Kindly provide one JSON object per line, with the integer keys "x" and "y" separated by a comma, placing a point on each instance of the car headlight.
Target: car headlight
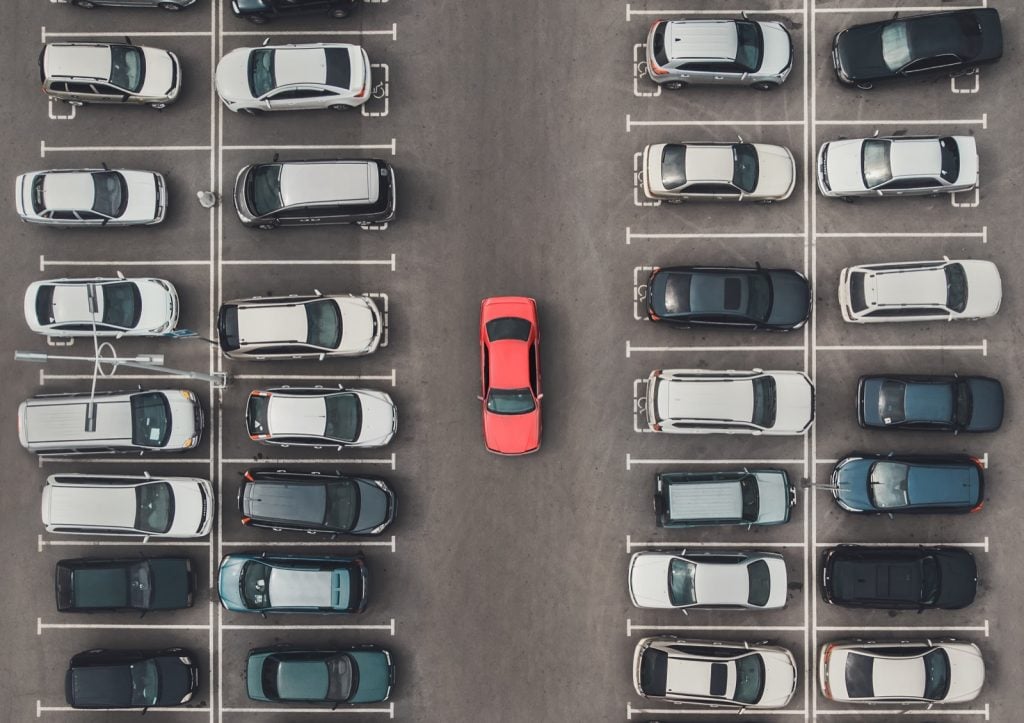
{"x": 188, "y": 395}
{"x": 188, "y": 443}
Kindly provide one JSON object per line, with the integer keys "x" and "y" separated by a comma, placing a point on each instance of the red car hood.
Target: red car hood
{"x": 512, "y": 433}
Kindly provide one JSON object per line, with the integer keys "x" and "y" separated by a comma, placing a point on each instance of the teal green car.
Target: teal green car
{"x": 255, "y": 582}
{"x": 293, "y": 675}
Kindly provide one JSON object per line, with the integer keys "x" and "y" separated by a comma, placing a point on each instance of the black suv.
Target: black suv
{"x": 263, "y": 11}
{"x": 154, "y": 583}
{"x": 899, "y": 578}
{"x": 131, "y": 678}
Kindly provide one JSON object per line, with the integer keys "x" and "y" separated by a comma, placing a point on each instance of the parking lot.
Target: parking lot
{"x": 515, "y": 132}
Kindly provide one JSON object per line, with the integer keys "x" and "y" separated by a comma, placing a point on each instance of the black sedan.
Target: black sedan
{"x": 899, "y": 578}
{"x": 263, "y": 11}
{"x": 729, "y": 298}
{"x": 909, "y": 483}
{"x": 143, "y": 584}
{"x": 930, "y": 403}
{"x": 329, "y": 502}
{"x": 947, "y": 43}
{"x": 131, "y": 678}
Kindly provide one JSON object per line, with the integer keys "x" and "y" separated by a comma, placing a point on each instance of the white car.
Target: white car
{"x": 91, "y": 197}
{"x": 677, "y": 172}
{"x": 900, "y": 166}
{"x": 80, "y": 73}
{"x": 294, "y": 77}
{"x": 714, "y": 673}
{"x": 107, "y": 307}
{"x": 318, "y": 417}
{"x": 920, "y": 291}
{"x": 904, "y": 671}
{"x": 87, "y": 504}
{"x": 707, "y": 579}
{"x": 695, "y": 401}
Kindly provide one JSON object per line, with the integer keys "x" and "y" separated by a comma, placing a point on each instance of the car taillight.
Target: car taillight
{"x": 362, "y": 92}
{"x": 826, "y": 689}
{"x": 979, "y": 462}
{"x": 656, "y": 427}
{"x": 978, "y": 506}
{"x": 246, "y": 520}
{"x": 248, "y": 475}
{"x": 257, "y": 437}
{"x": 656, "y": 69}
{"x": 656, "y": 373}
{"x": 652, "y": 316}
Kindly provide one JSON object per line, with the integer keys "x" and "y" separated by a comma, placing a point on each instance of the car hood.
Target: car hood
{"x": 794, "y": 403}
{"x": 860, "y": 52}
{"x": 142, "y": 196}
{"x": 776, "y": 172}
{"x": 850, "y": 478}
{"x": 159, "y": 306}
{"x": 375, "y": 507}
{"x": 232, "y": 77}
{"x": 843, "y": 166}
{"x": 228, "y": 579}
{"x": 779, "y": 678}
{"x": 374, "y": 668}
{"x": 162, "y": 79}
{"x": 967, "y": 672}
{"x": 986, "y": 404}
{"x": 967, "y": 146}
{"x": 984, "y": 288}
{"x": 778, "y": 48}
{"x": 380, "y": 419}
{"x": 791, "y": 299}
{"x": 171, "y": 583}
{"x": 193, "y": 508}
{"x": 175, "y": 680}
{"x": 959, "y": 575}
{"x": 652, "y": 167}
{"x": 360, "y": 326}
{"x": 512, "y": 433}
{"x": 183, "y": 420}
{"x": 648, "y": 580}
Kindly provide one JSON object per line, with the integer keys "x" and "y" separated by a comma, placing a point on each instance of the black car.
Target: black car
{"x": 930, "y": 403}
{"x": 263, "y": 11}
{"x": 131, "y": 678}
{"x": 329, "y": 502}
{"x": 899, "y": 578}
{"x": 154, "y": 583}
{"x": 947, "y": 43}
{"x": 909, "y": 483}
{"x": 729, "y": 298}
{"x": 162, "y": 4}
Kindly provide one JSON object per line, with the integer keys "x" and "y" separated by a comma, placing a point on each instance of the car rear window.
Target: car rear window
{"x": 858, "y": 675}
{"x": 151, "y": 419}
{"x": 677, "y": 293}
{"x": 673, "y": 165}
{"x": 653, "y": 672}
{"x": 660, "y": 57}
{"x": 269, "y": 677}
{"x": 508, "y": 327}
{"x": 323, "y": 319}
{"x": 858, "y": 301}
{"x": 38, "y": 201}
{"x": 256, "y": 414}
{"x": 44, "y": 305}
{"x": 764, "y": 402}
{"x": 227, "y": 328}
{"x": 760, "y": 581}
{"x": 950, "y": 159}
{"x": 956, "y": 287}
{"x": 339, "y": 67}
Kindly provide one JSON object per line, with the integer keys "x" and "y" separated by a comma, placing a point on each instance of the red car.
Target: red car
{"x": 510, "y": 373}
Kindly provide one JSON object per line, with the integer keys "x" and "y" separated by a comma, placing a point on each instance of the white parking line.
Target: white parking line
{"x": 305, "y": 543}
{"x": 702, "y": 123}
{"x": 320, "y": 377}
{"x": 915, "y": 543}
{"x": 312, "y": 262}
{"x": 638, "y": 183}
{"x": 984, "y": 461}
{"x": 906, "y": 628}
{"x": 905, "y": 711}
{"x": 682, "y": 236}
{"x": 661, "y": 13}
{"x": 44, "y": 149}
{"x": 639, "y": 408}
{"x": 44, "y": 262}
{"x": 392, "y": 462}
{"x": 630, "y": 711}
{"x": 43, "y": 34}
{"x": 630, "y": 461}
{"x": 393, "y": 32}
{"x": 889, "y": 9}
{"x": 41, "y": 626}
{"x": 338, "y": 147}
{"x": 390, "y": 710}
{"x": 385, "y": 92}
{"x": 44, "y": 377}
{"x": 971, "y": 90}
{"x": 339, "y": 626}
{"x": 630, "y": 627}
{"x": 677, "y": 545}
{"x": 982, "y": 347}
{"x": 40, "y": 709}
{"x": 982, "y": 235}
{"x": 135, "y": 542}
{"x": 640, "y": 71}
{"x": 969, "y": 203}
{"x": 739, "y": 347}
{"x": 983, "y": 122}
{"x": 133, "y": 459}
{"x": 639, "y": 295}
{"x": 57, "y": 116}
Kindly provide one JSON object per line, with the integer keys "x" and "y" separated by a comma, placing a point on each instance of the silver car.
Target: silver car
{"x": 101, "y": 306}
{"x": 897, "y": 166}
{"x": 719, "y": 52}
{"x": 80, "y": 73}
{"x": 294, "y": 77}
{"x": 89, "y": 197}
{"x": 677, "y": 172}
{"x": 707, "y": 579}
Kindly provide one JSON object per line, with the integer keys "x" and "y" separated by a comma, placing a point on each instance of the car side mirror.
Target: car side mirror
{"x": 321, "y": 357}
{"x": 480, "y": 397}
{"x": 265, "y": 41}
{"x": 540, "y": 396}
{"x": 145, "y": 539}
{"x": 119, "y": 335}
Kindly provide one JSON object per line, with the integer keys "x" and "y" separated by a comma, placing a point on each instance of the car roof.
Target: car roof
{"x": 302, "y": 500}
{"x": 289, "y": 587}
{"x": 905, "y": 287}
{"x": 78, "y": 60}
{"x": 69, "y": 191}
{"x": 915, "y": 157}
{"x": 107, "y": 685}
{"x": 685, "y": 676}
{"x": 709, "y": 163}
{"x": 302, "y": 415}
{"x": 92, "y": 505}
{"x": 272, "y": 323}
{"x": 706, "y": 398}
{"x": 701, "y": 39}
{"x": 898, "y": 677}
{"x": 311, "y": 183}
{"x": 299, "y": 65}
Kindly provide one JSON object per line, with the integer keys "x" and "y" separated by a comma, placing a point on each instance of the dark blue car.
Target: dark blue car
{"x": 930, "y": 403}
{"x": 909, "y": 483}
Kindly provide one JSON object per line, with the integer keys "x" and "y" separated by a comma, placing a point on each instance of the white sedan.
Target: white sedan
{"x": 920, "y": 291}
{"x": 318, "y": 417}
{"x": 897, "y": 166}
{"x": 906, "y": 671}
{"x": 677, "y": 172}
{"x": 707, "y": 579}
{"x": 294, "y": 77}
{"x": 91, "y": 197}
{"x": 104, "y": 307}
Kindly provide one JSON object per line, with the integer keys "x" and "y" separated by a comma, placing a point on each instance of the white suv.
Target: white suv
{"x": 920, "y": 291}
{"x": 694, "y": 401}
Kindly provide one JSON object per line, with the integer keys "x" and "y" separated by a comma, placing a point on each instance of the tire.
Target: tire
{"x": 267, "y": 227}
{"x": 766, "y": 202}
{"x": 257, "y": 19}
{"x": 764, "y": 86}
{"x": 340, "y": 13}
{"x": 75, "y": 103}
{"x": 170, "y": 7}
{"x": 255, "y": 112}
{"x": 158, "y": 106}
{"x": 847, "y": 199}
{"x": 339, "y": 107}
{"x": 674, "y": 85}
{"x": 865, "y": 85}
{"x": 83, "y": 4}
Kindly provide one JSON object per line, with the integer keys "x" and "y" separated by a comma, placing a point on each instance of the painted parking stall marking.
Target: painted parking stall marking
{"x": 638, "y": 183}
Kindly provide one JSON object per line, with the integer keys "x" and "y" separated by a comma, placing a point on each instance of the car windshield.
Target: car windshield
{"x": 956, "y": 287}
{"x": 265, "y": 189}
{"x": 140, "y": 585}
{"x": 950, "y": 159}
{"x": 750, "y": 45}
{"x": 751, "y": 498}
{"x": 891, "y": 402}
{"x": 749, "y": 679}
{"x": 344, "y": 417}
{"x": 261, "y": 72}
{"x": 323, "y": 319}
{"x": 111, "y": 193}
{"x": 342, "y": 676}
{"x": 154, "y": 507}
{"x": 859, "y": 678}
{"x": 254, "y": 585}
{"x": 931, "y": 579}
{"x": 764, "y": 402}
{"x": 122, "y": 305}
{"x": 510, "y": 401}
{"x": 145, "y": 683}
{"x": 936, "y": 674}
{"x": 673, "y": 166}
{"x": 759, "y": 297}
{"x": 760, "y": 581}
{"x": 127, "y": 67}
{"x": 875, "y": 165}
{"x": 744, "y": 172}
{"x": 269, "y": 677}
{"x": 896, "y": 45}
{"x": 342, "y": 505}
{"x": 681, "y": 582}
{"x": 887, "y": 485}
{"x": 151, "y": 419}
